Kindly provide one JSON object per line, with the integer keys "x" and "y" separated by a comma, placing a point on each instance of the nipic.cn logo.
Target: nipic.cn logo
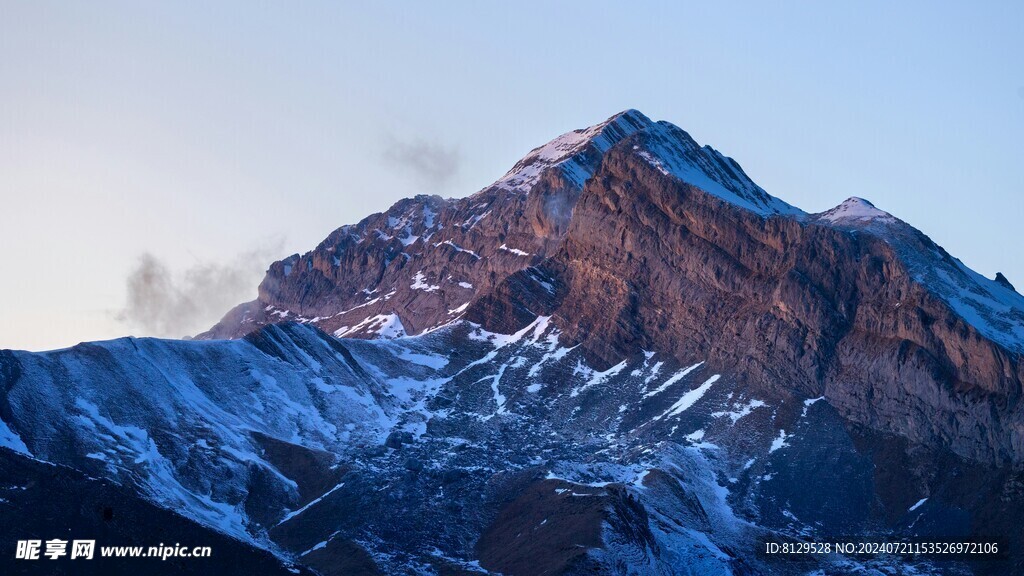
{"x": 85, "y": 549}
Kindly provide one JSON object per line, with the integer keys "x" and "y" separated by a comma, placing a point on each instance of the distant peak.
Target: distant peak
{"x": 856, "y": 209}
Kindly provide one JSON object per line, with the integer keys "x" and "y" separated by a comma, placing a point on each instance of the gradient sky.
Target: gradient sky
{"x": 218, "y": 133}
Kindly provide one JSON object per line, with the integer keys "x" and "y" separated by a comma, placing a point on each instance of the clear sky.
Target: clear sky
{"x": 216, "y": 136}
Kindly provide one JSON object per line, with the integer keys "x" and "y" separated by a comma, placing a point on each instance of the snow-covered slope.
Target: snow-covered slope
{"x": 426, "y": 459}
{"x": 673, "y": 152}
{"x": 189, "y": 422}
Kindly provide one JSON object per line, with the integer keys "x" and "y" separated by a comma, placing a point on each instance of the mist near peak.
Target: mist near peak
{"x": 172, "y": 303}
{"x": 430, "y": 164}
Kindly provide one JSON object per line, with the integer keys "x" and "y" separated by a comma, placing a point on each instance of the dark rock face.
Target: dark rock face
{"x": 547, "y": 524}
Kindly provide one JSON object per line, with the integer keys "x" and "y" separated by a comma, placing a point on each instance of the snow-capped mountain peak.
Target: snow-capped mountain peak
{"x": 576, "y": 152}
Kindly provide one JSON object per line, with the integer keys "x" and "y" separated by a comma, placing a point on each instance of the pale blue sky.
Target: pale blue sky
{"x": 198, "y": 133}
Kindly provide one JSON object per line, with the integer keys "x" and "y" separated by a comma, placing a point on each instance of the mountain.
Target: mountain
{"x": 622, "y": 357}
{"x": 776, "y": 294}
{"x": 418, "y": 265}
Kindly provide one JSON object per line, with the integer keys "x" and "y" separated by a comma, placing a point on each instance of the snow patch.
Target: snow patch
{"x": 779, "y": 442}
{"x": 597, "y": 378}
{"x": 810, "y": 402}
{"x": 419, "y": 282}
{"x": 740, "y": 410}
{"x": 384, "y": 325}
{"x": 9, "y": 439}
{"x": 312, "y": 503}
{"x": 458, "y": 248}
{"x": 515, "y": 251}
{"x": 674, "y": 379}
{"x": 689, "y": 399}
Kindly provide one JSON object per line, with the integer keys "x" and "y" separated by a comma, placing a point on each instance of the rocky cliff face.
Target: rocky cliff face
{"x": 853, "y": 303}
{"x": 622, "y": 357}
{"x": 419, "y": 264}
{"x": 636, "y": 237}
{"x": 671, "y": 247}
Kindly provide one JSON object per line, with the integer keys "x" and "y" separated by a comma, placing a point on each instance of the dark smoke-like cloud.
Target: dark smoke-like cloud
{"x": 430, "y": 164}
{"x": 176, "y": 304}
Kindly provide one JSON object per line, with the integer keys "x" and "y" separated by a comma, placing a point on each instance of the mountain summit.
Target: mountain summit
{"x": 624, "y": 356}
{"x": 392, "y": 272}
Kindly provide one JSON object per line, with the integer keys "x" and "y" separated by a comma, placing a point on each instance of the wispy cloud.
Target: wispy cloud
{"x": 431, "y": 164}
{"x": 173, "y": 304}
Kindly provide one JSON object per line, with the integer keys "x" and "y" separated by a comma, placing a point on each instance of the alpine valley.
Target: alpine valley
{"x": 623, "y": 357}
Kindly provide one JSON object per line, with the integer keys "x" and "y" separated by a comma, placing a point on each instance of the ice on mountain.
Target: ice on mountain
{"x": 995, "y": 310}
{"x": 384, "y": 325}
{"x": 430, "y": 360}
